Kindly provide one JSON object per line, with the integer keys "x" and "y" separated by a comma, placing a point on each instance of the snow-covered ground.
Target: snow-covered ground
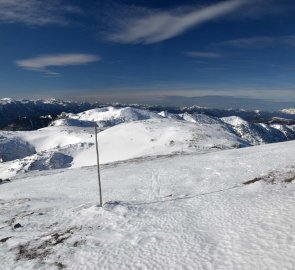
{"x": 135, "y": 139}
{"x": 231, "y": 209}
{"x": 110, "y": 116}
{"x": 259, "y": 133}
{"x": 180, "y": 191}
{"x": 127, "y": 133}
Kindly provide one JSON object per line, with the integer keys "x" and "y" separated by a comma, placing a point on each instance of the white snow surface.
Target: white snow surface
{"x": 157, "y": 137}
{"x": 259, "y": 133}
{"x": 183, "y": 212}
{"x": 288, "y": 111}
{"x": 110, "y": 116}
{"x": 13, "y": 147}
{"x": 125, "y": 141}
{"x": 72, "y": 123}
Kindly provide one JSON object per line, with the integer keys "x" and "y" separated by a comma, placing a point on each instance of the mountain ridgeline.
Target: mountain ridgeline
{"x": 32, "y": 115}
{"x": 66, "y": 140}
{"x": 255, "y": 127}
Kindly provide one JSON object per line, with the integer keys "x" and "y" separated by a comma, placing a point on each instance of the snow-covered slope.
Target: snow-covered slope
{"x": 17, "y": 114}
{"x": 110, "y": 116}
{"x": 173, "y": 199}
{"x": 136, "y": 139}
{"x": 13, "y": 147}
{"x": 224, "y": 210}
{"x": 168, "y": 115}
{"x": 249, "y": 115}
{"x": 72, "y": 123}
{"x": 127, "y": 133}
{"x": 288, "y": 111}
{"x": 41, "y": 146}
{"x": 158, "y": 137}
{"x": 201, "y": 119}
{"x": 259, "y": 133}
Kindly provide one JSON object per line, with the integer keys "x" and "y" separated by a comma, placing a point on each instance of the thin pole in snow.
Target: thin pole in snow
{"x": 98, "y": 169}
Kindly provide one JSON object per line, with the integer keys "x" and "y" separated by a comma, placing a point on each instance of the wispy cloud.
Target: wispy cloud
{"x": 152, "y": 26}
{"x": 36, "y": 12}
{"x": 261, "y": 9}
{"x": 260, "y": 42}
{"x": 42, "y": 63}
{"x": 210, "y": 55}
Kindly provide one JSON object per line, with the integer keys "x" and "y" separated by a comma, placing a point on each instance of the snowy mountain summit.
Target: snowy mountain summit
{"x": 181, "y": 190}
{"x": 289, "y": 111}
{"x": 128, "y": 133}
{"x": 110, "y": 116}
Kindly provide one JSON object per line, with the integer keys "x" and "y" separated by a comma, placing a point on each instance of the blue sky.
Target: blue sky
{"x": 230, "y": 53}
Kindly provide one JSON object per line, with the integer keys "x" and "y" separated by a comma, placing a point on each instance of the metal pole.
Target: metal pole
{"x": 98, "y": 169}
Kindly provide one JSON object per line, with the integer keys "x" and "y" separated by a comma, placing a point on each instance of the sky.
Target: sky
{"x": 223, "y": 54}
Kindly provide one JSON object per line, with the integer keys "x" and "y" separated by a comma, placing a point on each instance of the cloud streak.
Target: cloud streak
{"x": 42, "y": 63}
{"x": 209, "y": 55}
{"x": 36, "y": 12}
{"x": 260, "y": 42}
{"x": 156, "y": 26}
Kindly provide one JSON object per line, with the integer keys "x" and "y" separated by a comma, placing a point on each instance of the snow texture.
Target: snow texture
{"x": 231, "y": 209}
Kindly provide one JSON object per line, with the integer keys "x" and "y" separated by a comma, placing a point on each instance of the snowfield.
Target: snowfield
{"x": 152, "y": 137}
{"x": 231, "y": 209}
{"x": 110, "y": 116}
{"x": 180, "y": 191}
{"x": 128, "y": 133}
{"x": 157, "y": 137}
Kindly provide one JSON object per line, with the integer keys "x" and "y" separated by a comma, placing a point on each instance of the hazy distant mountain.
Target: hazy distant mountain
{"x": 29, "y": 115}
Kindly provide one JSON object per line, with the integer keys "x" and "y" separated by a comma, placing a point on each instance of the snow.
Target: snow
{"x": 288, "y": 111}
{"x": 72, "y": 123}
{"x": 13, "y": 147}
{"x": 156, "y": 137}
{"x": 152, "y": 137}
{"x": 110, "y": 116}
{"x": 183, "y": 212}
{"x": 259, "y": 133}
{"x": 177, "y": 193}
{"x": 200, "y": 119}
{"x": 6, "y": 100}
{"x": 128, "y": 133}
{"x": 26, "y": 149}
{"x": 166, "y": 114}
{"x": 56, "y": 137}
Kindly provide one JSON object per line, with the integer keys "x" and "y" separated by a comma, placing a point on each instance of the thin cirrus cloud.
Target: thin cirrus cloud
{"x": 42, "y": 63}
{"x": 260, "y": 42}
{"x": 208, "y": 55}
{"x": 36, "y": 12}
{"x": 156, "y": 26}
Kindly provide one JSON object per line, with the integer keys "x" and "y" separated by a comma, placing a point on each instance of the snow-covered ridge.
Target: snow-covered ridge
{"x": 132, "y": 139}
{"x": 259, "y": 133}
{"x": 289, "y": 111}
{"x": 111, "y": 116}
{"x": 128, "y": 133}
{"x": 254, "y": 133}
{"x": 6, "y": 100}
{"x": 12, "y": 110}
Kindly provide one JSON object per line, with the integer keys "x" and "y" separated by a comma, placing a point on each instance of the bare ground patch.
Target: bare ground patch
{"x": 36, "y": 250}
{"x": 275, "y": 177}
